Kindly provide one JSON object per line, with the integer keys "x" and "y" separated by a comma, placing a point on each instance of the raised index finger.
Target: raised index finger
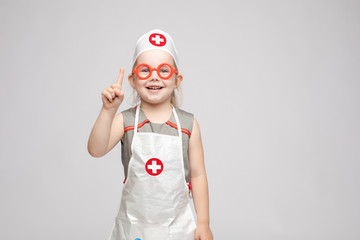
{"x": 120, "y": 78}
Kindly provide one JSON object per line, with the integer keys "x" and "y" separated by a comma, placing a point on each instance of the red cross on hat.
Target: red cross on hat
{"x": 157, "y": 39}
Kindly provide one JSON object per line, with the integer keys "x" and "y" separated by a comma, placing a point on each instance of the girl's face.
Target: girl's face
{"x": 154, "y": 58}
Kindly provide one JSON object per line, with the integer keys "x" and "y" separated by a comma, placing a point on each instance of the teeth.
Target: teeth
{"x": 154, "y": 87}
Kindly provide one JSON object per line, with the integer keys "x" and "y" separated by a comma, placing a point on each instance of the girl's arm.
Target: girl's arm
{"x": 106, "y": 133}
{"x": 108, "y": 130}
{"x": 199, "y": 184}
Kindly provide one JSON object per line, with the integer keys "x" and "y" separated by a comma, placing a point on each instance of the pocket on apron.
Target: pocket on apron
{"x": 143, "y": 233}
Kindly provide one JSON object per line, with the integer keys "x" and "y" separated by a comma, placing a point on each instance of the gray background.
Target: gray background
{"x": 274, "y": 86}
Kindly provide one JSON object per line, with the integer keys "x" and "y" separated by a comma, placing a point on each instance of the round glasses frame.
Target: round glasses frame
{"x": 136, "y": 70}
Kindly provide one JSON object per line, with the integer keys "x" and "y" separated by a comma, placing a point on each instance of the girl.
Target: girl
{"x": 161, "y": 148}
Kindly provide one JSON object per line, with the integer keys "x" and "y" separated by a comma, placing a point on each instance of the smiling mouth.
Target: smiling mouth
{"x": 154, "y": 88}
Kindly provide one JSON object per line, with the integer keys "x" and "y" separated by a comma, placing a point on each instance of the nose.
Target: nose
{"x": 154, "y": 74}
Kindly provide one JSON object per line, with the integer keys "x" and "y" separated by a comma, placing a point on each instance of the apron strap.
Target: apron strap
{"x": 177, "y": 123}
{"x": 137, "y": 110}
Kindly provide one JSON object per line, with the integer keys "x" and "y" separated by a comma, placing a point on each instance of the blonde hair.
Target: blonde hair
{"x": 176, "y": 96}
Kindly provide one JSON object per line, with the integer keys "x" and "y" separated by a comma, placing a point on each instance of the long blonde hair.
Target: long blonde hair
{"x": 176, "y": 96}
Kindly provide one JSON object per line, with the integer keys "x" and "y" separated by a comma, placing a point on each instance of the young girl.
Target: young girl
{"x": 162, "y": 153}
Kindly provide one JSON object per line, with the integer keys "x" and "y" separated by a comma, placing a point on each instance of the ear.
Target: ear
{"x": 131, "y": 80}
{"x": 179, "y": 79}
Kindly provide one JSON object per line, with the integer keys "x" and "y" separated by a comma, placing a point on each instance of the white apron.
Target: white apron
{"x": 155, "y": 202}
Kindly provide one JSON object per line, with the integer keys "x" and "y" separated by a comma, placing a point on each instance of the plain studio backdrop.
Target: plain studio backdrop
{"x": 274, "y": 86}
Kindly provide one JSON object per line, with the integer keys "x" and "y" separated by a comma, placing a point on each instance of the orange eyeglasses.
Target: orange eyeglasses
{"x": 164, "y": 71}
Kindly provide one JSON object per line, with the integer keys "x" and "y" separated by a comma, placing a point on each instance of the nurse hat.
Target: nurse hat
{"x": 155, "y": 39}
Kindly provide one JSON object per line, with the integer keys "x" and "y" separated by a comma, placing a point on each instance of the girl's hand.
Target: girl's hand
{"x": 203, "y": 232}
{"x": 113, "y": 96}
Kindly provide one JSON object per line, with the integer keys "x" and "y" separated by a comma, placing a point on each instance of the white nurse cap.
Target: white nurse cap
{"x": 155, "y": 39}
